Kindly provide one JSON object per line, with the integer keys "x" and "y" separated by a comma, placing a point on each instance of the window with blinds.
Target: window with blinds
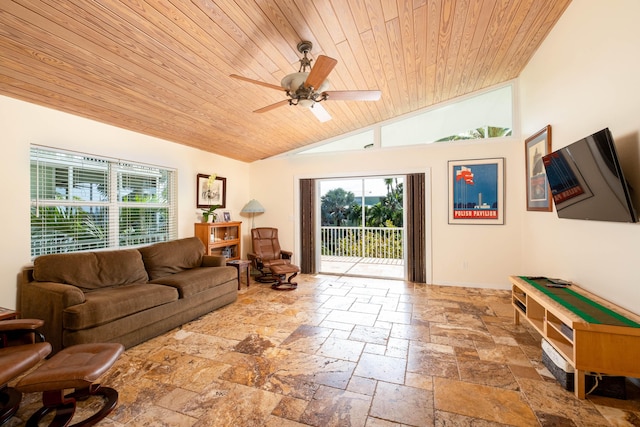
{"x": 81, "y": 202}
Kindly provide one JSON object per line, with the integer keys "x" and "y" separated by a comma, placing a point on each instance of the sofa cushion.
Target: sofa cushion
{"x": 91, "y": 270}
{"x": 196, "y": 280}
{"x": 163, "y": 259}
{"x": 105, "y": 305}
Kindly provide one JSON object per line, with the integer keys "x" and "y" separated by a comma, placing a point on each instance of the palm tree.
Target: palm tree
{"x": 354, "y": 216}
{"x": 479, "y": 133}
{"x": 335, "y": 206}
{"x": 389, "y": 208}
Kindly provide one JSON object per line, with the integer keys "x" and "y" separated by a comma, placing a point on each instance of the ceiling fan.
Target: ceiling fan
{"x": 307, "y": 87}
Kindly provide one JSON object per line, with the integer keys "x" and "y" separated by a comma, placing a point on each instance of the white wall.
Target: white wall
{"x": 489, "y": 252}
{"x": 585, "y": 78}
{"x": 24, "y": 124}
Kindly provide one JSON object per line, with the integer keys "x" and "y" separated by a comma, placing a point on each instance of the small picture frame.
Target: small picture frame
{"x": 536, "y": 147}
{"x": 226, "y": 216}
{"x": 211, "y": 192}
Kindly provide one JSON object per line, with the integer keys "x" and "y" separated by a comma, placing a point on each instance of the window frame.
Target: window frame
{"x": 94, "y": 222}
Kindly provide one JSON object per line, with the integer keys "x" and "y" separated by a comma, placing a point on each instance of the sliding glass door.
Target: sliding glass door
{"x": 361, "y": 226}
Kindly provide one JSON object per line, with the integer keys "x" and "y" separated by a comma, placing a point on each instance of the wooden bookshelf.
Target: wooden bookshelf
{"x": 221, "y": 238}
{"x": 588, "y": 345}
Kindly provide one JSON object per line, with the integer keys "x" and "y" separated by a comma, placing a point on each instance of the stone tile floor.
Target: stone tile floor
{"x": 344, "y": 351}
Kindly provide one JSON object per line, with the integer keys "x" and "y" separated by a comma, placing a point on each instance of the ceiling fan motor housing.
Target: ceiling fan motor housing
{"x": 305, "y": 46}
{"x": 301, "y": 87}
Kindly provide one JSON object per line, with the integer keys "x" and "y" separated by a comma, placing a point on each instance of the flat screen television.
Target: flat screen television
{"x": 587, "y": 182}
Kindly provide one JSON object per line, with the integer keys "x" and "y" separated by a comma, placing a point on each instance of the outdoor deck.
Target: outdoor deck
{"x": 360, "y": 266}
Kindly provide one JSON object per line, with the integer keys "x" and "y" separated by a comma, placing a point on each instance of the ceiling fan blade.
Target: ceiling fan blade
{"x": 319, "y": 72}
{"x": 353, "y": 95}
{"x": 272, "y": 106}
{"x": 319, "y": 111}
{"x": 258, "y": 82}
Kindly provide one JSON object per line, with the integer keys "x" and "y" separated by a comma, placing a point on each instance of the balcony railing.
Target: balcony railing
{"x": 371, "y": 242}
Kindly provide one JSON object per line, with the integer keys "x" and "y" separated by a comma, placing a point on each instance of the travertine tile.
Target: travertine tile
{"x": 347, "y": 351}
{"x": 370, "y": 334}
{"x": 484, "y": 402}
{"x": 338, "y": 348}
{"x": 160, "y": 417}
{"x": 290, "y": 408}
{"x": 548, "y": 397}
{"x": 432, "y": 359}
{"x": 402, "y": 404}
{"x": 339, "y": 303}
{"x": 382, "y": 368}
{"x": 487, "y": 373}
{"x": 339, "y": 408}
{"x": 362, "y": 385}
{"x": 352, "y": 318}
{"x": 447, "y": 419}
{"x": 502, "y": 354}
{"x": 306, "y": 338}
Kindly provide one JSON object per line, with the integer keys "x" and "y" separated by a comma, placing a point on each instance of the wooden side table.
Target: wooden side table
{"x": 589, "y": 332}
{"x": 241, "y": 264}
{"x": 8, "y": 314}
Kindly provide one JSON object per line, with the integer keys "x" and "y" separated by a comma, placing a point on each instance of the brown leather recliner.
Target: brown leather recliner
{"x": 17, "y": 359}
{"x": 267, "y": 252}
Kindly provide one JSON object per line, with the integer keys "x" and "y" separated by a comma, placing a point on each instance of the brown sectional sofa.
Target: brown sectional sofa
{"x": 127, "y": 295}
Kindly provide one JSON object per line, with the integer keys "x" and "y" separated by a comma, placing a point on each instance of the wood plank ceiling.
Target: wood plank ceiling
{"x": 161, "y": 67}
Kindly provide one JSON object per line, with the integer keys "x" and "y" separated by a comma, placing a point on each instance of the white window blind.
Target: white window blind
{"x": 82, "y": 202}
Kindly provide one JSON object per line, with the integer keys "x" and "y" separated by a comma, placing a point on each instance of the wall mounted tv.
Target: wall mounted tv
{"x": 587, "y": 182}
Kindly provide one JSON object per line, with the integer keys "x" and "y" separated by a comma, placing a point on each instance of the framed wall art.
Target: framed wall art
{"x": 476, "y": 191}
{"x": 537, "y": 146}
{"x": 211, "y": 190}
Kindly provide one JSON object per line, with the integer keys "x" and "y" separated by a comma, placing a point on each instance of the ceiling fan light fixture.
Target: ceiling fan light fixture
{"x": 291, "y": 82}
{"x": 305, "y": 103}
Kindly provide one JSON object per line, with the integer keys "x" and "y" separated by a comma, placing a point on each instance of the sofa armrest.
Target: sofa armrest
{"x": 213, "y": 261}
{"x": 47, "y": 301}
{"x": 53, "y": 293}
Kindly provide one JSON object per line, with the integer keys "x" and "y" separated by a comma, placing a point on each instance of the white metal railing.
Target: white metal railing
{"x": 373, "y": 242}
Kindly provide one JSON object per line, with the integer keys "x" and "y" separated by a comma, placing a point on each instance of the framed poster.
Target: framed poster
{"x": 476, "y": 191}
{"x": 211, "y": 190}
{"x": 536, "y": 146}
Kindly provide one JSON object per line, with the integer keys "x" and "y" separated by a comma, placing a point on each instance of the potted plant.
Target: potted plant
{"x": 209, "y": 213}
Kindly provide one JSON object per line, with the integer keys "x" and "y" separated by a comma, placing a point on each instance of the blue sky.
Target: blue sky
{"x": 373, "y": 186}
{"x": 484, "y": 179}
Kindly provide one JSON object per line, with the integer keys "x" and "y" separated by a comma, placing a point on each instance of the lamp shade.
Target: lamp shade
{"x": 253, "y": 206}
